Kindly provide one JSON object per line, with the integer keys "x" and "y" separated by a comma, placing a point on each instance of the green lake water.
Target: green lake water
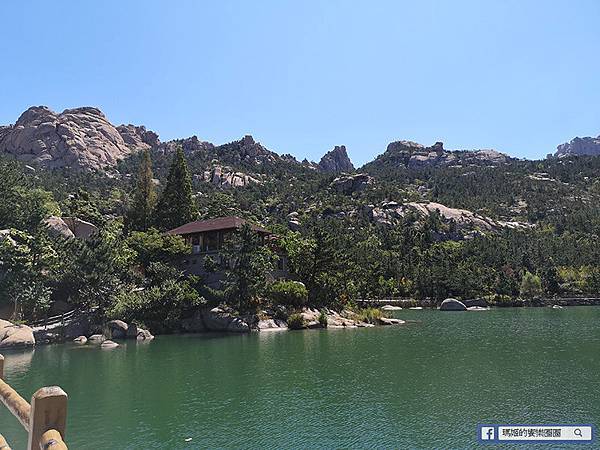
{"x": 424, "y": 385}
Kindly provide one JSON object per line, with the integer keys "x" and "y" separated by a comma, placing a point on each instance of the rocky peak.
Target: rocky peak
{"x": 138, "y": 136}
{"x": 336, "y": 161}
{"x": 189, "y": 145}
{"x": 579, "y": 146}
{"x": 81, "y": 138}
{"x": 413, "y": 156}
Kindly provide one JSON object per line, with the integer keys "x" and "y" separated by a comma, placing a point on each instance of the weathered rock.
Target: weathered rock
{"x": 58, "y": 228}
{"x": 46, "y": 337}
{"x": 349, "y": 184}
{"x": 475, "y": 302}
{"x": 391, "y": 308}
{"x": 69, "y": 227}
{"x": 477, "y": 308}
{"x": 109, "y": 344}
{"x": 132, "y": 331}
{"x": 579, "y": 146}
{"x": 336, "y": 161}
{"x": 15, "y": 336}
{"x": 96, "y": 339}
{"x": 215, "y": 320}
{"x": 451, "y": 304}
{"x": 226, "y": 177}
{"x": 271, "y": 325}
{"x": 389, "y": 321}
{"x": 416, "y": 156}
{"x": 80, "y": 138}
{"x": 80, "y": 340}
{"x": 144, "y": 335}
{"x": 138, "y": 137}
{"x": 461, "y": 221}
{"x": 116, "y": 329}
{"x": 80, "y": 228}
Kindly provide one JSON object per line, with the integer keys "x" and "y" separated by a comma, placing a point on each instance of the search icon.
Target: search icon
{"x": 577, "y": 432}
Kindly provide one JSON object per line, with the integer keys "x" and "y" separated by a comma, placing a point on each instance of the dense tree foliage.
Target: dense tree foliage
{"x": 337, "y": 252}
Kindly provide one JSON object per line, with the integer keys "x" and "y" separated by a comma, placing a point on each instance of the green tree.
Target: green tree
{"x": 247, "y": 262}
{"x": 176, "y": 205}
{"x": 26, "y": 264}
{"x": 140, "y": 214}
{"x": 152, "y": 246}
{"x": 531, "y": 286}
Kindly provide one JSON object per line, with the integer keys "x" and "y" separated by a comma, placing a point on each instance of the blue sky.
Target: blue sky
{"x": 303, "y": 76}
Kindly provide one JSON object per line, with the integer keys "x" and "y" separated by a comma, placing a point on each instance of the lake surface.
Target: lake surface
{"x": 423, "y": 385}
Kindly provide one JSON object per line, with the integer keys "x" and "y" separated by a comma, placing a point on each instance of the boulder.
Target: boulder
{"x": 132, "y": 331}
{"x": 57, "y": 227}
{"x": 222, "y": 321}
{"x": 116, "y": 329}
{"x": 80, "y": 340}
{"x": 475, "y": 302}
{"x": 109, "y": 344}
{"x": 388, "y": 321}
{"x": 451, "y": 304}
{"x": 46, "y": 337}
{"x": 144, "y": 335}
{"x": 96, "y": 339}
{"x": 391, "y": 308}
{"x": 15, "y": 336}
{"x": 271, "y": 325}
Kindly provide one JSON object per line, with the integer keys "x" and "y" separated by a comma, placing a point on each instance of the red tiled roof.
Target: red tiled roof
{"x": 221, "y": 223}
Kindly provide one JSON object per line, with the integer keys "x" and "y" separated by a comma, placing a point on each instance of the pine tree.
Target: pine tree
{"x": 176, "y": 205}
{"x": 141, "y": 212}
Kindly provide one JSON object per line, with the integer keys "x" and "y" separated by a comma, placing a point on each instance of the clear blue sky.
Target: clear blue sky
{"x": 519, "y": 76}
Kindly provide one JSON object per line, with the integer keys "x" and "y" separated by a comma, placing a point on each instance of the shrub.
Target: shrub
{"x": 369, "y": 315}
{"x": 291, "y": 293}
{"x": 531, "y": 286}
{"x": 295, "y": 321}
{"x": 323, "y": 319}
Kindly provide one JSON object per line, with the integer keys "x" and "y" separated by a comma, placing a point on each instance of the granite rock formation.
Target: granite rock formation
{"x": 81, "y": 138}
{"x": 336, "y": 161}
{"x": 579, "y": 146}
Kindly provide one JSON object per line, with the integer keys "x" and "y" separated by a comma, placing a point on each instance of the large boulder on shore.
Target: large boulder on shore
{"x": 15, "y": 336}
{"x": 451, "y": 304}
{"x": 116, "y": 329}
{"x": 215, "y": 319}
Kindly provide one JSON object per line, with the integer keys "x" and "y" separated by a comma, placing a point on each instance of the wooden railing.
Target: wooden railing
{"x": 44, "y": 420}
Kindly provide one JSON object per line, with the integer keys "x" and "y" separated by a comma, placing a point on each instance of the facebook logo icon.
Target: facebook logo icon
{"x": 487, "y": 433}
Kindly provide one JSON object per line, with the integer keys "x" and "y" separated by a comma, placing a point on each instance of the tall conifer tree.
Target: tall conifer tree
{"x": 144, "y": 201}
{"x": 176, "y": 205}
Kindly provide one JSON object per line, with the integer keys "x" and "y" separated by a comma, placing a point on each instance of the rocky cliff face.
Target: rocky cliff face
{"x": 225, "y": 177}
{"x": 336, "y": 161}
{"x": 81, "y": 138}
{"x": 579, "y": 146}
{"x": 414, "y": 156}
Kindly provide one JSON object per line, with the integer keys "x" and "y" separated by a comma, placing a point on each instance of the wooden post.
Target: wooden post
{"x": 48, "y": 412}
{"x": 51, "y": 440}
{"x": 1, "y": 367}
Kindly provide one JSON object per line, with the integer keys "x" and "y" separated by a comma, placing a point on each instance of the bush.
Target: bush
{"x": 291, "y": 293}
{"x": 160, "y": 307}
{"x": 370, "y": 315}
{"x": 295, "y": 321}
{"x": 323, "y": 319}
{"x": 531, "y": 286}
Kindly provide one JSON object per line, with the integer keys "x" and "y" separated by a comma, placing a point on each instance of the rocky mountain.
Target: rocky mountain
{"x": 80, "y": 138}
{"x": 336, "y": 161}
{"x": 412, "y": 155}
{"x": 579, "y": 146}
